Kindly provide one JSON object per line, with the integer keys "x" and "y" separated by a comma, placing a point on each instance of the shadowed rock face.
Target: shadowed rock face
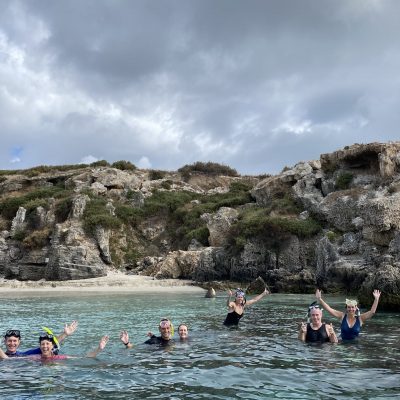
{"x": 354, "y": 193}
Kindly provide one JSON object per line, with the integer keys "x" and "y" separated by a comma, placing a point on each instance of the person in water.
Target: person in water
{"x": 236, "y": 307}
{"x": 49, "y": 347}
{"x": 351, "y": 320}
{"x": 12, "y": 340}
{"x": 315, "y": 331}
{"x": 183, "y": 332}
{"x": 165, "y": 328}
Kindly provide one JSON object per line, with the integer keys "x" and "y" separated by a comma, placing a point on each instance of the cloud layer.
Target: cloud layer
{"x": 255, "y": 85}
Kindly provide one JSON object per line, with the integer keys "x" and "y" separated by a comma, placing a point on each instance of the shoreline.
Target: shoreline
{"x": 114, "y": 282}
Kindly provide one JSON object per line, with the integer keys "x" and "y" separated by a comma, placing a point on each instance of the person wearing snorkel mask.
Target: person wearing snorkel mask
{"x": 165, "y": 328}
{"x": 315, "y": 331}
{"x": 236, "y": 307}
{"x": 49, "y": 347}
{"x": 351, "y": 320}
{"x": 12, "y": 340}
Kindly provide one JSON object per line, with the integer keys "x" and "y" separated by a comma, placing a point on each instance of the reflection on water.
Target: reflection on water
{"x": 262, "y": 359}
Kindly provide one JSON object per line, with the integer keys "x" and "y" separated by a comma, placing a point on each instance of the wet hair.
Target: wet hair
{"x": 240, "y": 292}
{"x": 13, "y": 332}
{"x": 312, "y": 306}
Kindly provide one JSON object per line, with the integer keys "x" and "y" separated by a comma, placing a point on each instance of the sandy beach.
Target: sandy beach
{"x": 113, "y": 282}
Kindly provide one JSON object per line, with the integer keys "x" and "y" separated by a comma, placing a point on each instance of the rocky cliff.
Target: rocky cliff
{"x": 332, "y": 223}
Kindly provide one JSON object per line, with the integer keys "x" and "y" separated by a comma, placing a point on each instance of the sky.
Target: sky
{"x": 253, "y": 84}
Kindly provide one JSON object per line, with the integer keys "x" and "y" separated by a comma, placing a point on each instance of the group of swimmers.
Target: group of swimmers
{"x": 351, "y": 320}
{"x": 313, "y": 331}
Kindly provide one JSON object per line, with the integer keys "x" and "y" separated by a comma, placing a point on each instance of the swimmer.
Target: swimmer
{"x": 236, "y": 307}
{"x": 183, "y": 332}
{"x": 49, "y": 344}
{"x": 315, "y": 331}
{"x": 165, "y": 328}
{"x": 351, "y": 320}
{"x": 12, "y": 340}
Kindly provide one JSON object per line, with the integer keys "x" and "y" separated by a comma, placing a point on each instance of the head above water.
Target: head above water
{"x": 183, "y": 331}
{"x": 12, "y": 332}
{"x": 166, "y": 328}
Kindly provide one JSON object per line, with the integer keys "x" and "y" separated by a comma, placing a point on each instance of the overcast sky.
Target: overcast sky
{"x": 253, "y": 84}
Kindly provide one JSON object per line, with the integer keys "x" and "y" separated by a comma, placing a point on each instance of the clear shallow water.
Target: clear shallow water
{"x": 261, "y": 360}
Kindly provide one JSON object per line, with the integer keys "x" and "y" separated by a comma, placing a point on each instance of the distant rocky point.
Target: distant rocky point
{"x": 332, "y": 223}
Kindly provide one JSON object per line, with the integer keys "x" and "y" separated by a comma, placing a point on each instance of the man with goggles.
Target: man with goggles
{"x": 12, "y": 340}
{"x": 165, "y": 328}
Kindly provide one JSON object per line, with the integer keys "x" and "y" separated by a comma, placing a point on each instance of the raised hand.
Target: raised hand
{"x": 124, "y": 337}
{"x": 70, "y": 329}
{"x": 103, "y": 342}
{"x": 318, "y": 294}
{"x": 330, "y": 329}
{"x": 376, "y": 293}
{"x": 303, "y": 327}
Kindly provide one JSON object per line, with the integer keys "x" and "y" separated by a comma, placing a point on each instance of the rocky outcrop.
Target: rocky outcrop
{"x": 353, "y": 193}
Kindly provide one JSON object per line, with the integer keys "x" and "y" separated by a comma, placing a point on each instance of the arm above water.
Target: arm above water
{"x": 68, "y": 331}
{"x": 364, "y": 316}
{"x": 331, "y": 333}
{"x": 3, "y": 355}
{"x": 332, "y": 311}
{"x": 257, "y": 298}
{"x": 102, "y": 345}
{"x": 124, "y": 337}
{"x": 302, "y": 331}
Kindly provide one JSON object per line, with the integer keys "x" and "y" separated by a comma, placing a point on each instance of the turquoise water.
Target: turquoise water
{"x": 261, "y": 360}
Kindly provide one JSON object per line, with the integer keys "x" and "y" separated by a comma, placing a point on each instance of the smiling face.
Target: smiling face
{"x": 351, "y": 309}
{"x": 46, "y": 347}
{"x": 165, "y": 329}
{"x": 12, "y": 344}
{"x": 183, "y": 331}
{"x": 315, "y": 316}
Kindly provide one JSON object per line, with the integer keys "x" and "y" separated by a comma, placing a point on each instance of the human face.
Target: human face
{"x": 165, "y": 329}
{"x": 315, "y": 316}
{"x": 46, "y": 347}
{"x": 351, "y": 309}
{"x": 12, "y": 344}
{"x": 239, "y": 299}
{"x": 183, "y": 331}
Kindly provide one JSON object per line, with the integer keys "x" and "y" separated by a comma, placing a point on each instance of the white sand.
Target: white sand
{"x": 113, "y": 282}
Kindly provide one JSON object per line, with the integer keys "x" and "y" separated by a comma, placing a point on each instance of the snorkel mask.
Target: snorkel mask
{"x": 166, "y": 323}
{"x": 240, "y": 293}
{"x": 49, "y": 335}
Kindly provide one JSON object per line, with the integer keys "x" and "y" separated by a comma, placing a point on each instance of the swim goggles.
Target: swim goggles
{"x": 313, "y": 306}
{"x": 49, "y": 336}
{"x": 351, "y": 302}
{"x": 165, "y": 323}
{"x": 13, "y": 332}
{"x": 239, "y": 292}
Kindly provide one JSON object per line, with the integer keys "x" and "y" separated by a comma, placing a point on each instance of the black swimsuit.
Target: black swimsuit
{"x": 317, "y": 335}
{"x": 232, "y": 318}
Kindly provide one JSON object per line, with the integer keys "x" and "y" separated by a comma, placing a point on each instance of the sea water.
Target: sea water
{"x": 262, "y": 359}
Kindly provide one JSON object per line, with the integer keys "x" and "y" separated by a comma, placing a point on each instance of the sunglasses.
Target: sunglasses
{"x": 13, "y": 332}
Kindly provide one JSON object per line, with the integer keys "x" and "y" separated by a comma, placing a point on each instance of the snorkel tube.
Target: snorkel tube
{"x": 55, "y": 340}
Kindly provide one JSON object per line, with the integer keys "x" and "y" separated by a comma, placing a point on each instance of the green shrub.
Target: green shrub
{"x": 37, "y": 239}
{"x": 201, "y": 234}
{"x": 332, "y": 236}
{"x": 62, "y": 209}
{"x": 208, "y": 168}
{"x": 166, "y": 184}
{"x": 128, "y": 214}
{"x": 100, "y": 163}
{"x": 19, "y": 235}
{"x": 343, "y": 180}
{"x": 96, "y": 214}
{"x": 124, "y": 165}
{"x": 155, "y": 174}
{"x": 132, "y": 256}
